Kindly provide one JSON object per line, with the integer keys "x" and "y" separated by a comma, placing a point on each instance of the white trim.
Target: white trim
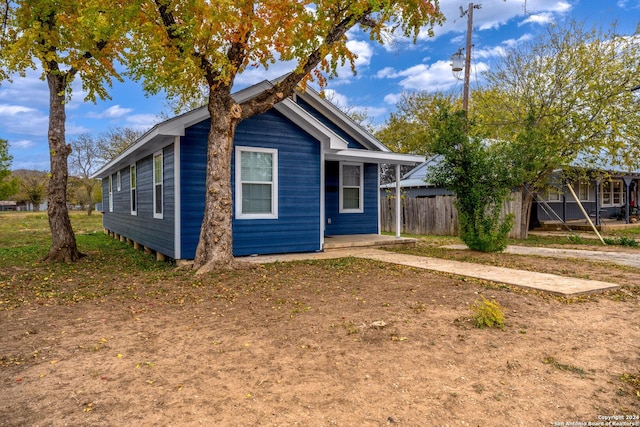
{"x": 360, "y": 208}
{"x": 133, "y": 191}
{"x": 323, "y": 194}
{"x": 239, "y": 182}
{"x": 378, "y": 201}
{"x": 177, "y": 202}
{"x": 160, "y": 154}
{"x": 110, "y": 193}
{"x": 398, "y": 203}
{"x": 621, "y": 193}
{"x": 367, "y": 156}
{"x": 118, "y": 181}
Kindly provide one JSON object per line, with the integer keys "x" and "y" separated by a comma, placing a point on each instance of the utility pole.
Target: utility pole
{"x": 467, "y": 59}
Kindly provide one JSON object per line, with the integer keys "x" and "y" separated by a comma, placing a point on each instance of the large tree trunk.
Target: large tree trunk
{"x": 525, "y": 217}
{"x": 215, "y": 249}
{"x": 63, "y": 247}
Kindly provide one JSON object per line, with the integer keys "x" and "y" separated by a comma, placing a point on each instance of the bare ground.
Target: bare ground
{"x": 340, "y": 342}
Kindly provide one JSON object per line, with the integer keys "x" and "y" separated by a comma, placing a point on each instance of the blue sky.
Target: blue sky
{"x": 383, "y": 72}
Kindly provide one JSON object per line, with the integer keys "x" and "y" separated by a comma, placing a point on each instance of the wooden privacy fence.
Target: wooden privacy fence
{"x": 436, "y": 215}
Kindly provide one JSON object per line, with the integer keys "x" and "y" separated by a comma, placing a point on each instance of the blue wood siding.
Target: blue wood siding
{"x": 156, "y": 234}
{"x": 193, "y": 163}
{"x": 352, "y": 143}
{"x": 297, "y": 228}
{"x": 351, "y": 223}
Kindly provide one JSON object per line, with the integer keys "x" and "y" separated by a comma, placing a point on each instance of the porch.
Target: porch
{"x": 366, "y": 240}
{"x": 583, "y": 225}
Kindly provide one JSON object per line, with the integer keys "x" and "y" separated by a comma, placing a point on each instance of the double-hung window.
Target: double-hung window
{"x": 133, "y": 178}
{"x": 584, "y": 191}
{"x": 613, "y": 193}
{"x": 157, "y": 185}
{"x": 351, "y": 186}
{"x": 256, "y": 183}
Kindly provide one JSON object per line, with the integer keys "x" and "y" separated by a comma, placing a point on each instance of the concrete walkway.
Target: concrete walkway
{"x": 620, "y": 258}
{"x": 559, "y": 285}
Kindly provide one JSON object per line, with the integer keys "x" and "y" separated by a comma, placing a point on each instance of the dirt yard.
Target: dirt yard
{"x": 341, "y": 342}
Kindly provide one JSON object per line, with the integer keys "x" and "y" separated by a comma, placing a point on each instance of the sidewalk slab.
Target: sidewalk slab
{"x": 620, "y": 258}
{"x": 551, "y": 283}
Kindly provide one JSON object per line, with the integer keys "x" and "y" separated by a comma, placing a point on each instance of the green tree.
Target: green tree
{"x": 67, "y": 39}
{"x": 32, "y": 187}
{"x": 8, "y": 185}
{"x": 411, "y": 128}
{"x": 185, "y": 45}
{"x": 564, "y": 99}
{"x": 480, "y": 176}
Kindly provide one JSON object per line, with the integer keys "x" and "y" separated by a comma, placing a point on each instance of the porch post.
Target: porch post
{"x": 398, "y": 204}
{"x": 598, "y": 201}
{"x": 627, "y": 182}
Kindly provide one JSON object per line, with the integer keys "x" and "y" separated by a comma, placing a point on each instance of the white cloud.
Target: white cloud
{"x": 363, "y": 50}
{"x": 386, "y": 72}
{"x": 113, "y": 112}
{"x": 142, "y": 122}
{"x": 514, "y": 42}
{"x": 23, "y": 144}
{"x": 540, "y": 19}
{"x": 24, "y": 121}
{"x": 393, "y": 98}
{"x": 429, "y": 77}
{"x": 336, "y": 98}
{"x": 12, "y": 110}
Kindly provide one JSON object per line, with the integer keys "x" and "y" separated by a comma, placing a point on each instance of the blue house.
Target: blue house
{"x": 301, "y": 172}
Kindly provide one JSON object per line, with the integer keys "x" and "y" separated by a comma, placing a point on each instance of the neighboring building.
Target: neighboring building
{"x": 300, "y": 172}
{"x": 414, "y": 183}
{"x": 613, "y": 195}
{"x": 604, "y": 197}
{"x": 8, "y": 205}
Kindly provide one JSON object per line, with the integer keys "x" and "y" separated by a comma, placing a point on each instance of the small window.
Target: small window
{"x": 134, "y": 198}
{"x": 584, "y": 190}
{"x": 554, "y": 194}
{"x": 118, "y": 181}
{"x": 613, "y": 193}
{"x": 256, "y": 183}
{"x": 110, "y": 193}
{"x": 157, "y": 185}
{"x": 351, "y": 185}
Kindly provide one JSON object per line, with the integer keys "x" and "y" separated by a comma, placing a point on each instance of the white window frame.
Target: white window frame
{"x": 360, "y": 209}
{"x": 118, "y": 181}
{"x": 110, "y": 193}
{"x": 609, "y": 186}
{"x": 581, "y": 186}
{"x": 274, "y": 183}
{"x": 133, "y": 188}
{"x": 554, "y": 194}
{"x": 158, "y": 182}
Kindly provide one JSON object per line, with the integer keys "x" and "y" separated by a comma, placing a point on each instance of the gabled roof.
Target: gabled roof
{"x": 417, "y": 177}
{"x": 164, "y": 133}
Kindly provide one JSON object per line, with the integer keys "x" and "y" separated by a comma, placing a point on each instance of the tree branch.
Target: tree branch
{"x": 169, "y": 23}
{"x": 287, "y": 86}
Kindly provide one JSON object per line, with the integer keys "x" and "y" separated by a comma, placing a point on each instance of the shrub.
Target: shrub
{"x": 488, "y": 314}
